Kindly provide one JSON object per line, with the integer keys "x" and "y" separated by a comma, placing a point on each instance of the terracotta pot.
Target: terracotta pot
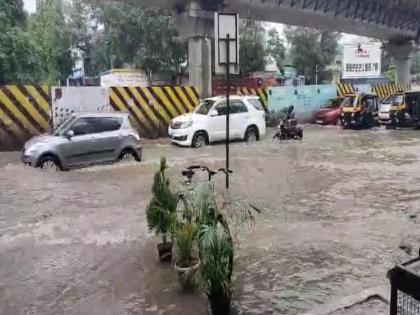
{"x": 188, "y": 275}
{"x": 165, "y": 251}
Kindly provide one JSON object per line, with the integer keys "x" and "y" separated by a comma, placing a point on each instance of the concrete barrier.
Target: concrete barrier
{"x": 24, "y": 113}
{"x": 69, "y": 100}
{"x": 152, "y": 108}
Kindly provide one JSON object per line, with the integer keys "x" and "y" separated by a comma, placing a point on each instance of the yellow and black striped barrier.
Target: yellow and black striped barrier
{"x": 383, "y": 90}
{"x": 345, "y": 89}
{"x": 24, "y": 112}
{"x": 261, "y": 92}
{"x": 152, "y": 108}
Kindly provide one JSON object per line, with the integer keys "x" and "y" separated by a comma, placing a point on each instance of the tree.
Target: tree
{"x": 310, "y": 47}
{"x": 415, "y": 64}
{"x": 276, "y": 48}
{"x": 391, "y": 73}
{"x": 160, "y": 49}
{"x": 50, "y": 32}
{"x": 138, "y": 37}
{"x": 253, "y": 47}
{"x": 17, "y": 61}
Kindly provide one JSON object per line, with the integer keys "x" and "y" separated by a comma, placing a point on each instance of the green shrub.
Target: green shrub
{"x": 186, "y": 241}
{"x": 161, "y": 211}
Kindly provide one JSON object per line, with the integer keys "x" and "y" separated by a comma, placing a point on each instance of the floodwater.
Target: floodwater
{"x": 337, "y": 208}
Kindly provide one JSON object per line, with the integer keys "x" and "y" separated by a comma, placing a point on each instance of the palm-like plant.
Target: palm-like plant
{"x": 161, "y": 211}
{"x": 216, "y": 251}
{"x": 216, "y": 241}
{"x": 186, "y": 241}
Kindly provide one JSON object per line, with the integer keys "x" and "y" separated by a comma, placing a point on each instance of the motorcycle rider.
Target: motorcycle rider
{"x": 290, "y": 112}
{"x": 288, "y": 127}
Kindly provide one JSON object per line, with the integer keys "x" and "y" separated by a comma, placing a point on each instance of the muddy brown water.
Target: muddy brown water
{"x": 337, "y": 206}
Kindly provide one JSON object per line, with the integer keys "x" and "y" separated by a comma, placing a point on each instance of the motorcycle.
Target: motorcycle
{"x": 289, "y": 129}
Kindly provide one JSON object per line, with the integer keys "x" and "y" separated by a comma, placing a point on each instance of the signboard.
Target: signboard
{"x": 226, "y": 24}
{"x": 290, "y": 71}
{"x": 124, "y": 77}
{"x": 362, "y": 60}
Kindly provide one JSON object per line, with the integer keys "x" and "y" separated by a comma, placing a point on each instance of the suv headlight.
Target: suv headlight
{"x": 186, "y": 124}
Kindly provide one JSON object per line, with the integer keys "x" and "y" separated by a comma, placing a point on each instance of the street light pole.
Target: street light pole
{"x": 227, "y": 106}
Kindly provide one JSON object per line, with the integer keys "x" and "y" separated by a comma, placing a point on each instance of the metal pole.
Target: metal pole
{"x": 316, "y": 84}
{"x": 227, "y": 106}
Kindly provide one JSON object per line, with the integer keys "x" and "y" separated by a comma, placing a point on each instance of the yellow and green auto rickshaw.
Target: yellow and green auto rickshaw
{"x": 359, "y": 111}
{"x": 404, "y": 111}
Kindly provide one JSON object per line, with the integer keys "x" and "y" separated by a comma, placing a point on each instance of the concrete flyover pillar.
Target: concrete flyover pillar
{"x": 403, "y": 52}
{"x": 197, "y": 27}
{"x": 199, "y": 64}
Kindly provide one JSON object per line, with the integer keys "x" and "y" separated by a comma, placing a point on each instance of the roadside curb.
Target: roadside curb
{"x": 380, "y": 292}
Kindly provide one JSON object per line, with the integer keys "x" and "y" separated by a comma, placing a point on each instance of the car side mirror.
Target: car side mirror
{"x": 214, "y": 113}
{"x": 69, "y": 134}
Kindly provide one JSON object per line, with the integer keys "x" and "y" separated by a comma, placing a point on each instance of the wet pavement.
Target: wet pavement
{"x": 337, "y": 207}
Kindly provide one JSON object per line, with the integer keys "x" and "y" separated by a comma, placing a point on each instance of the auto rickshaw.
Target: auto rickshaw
{"x": 405, "y": 110}
{"x": 359, "y": 111}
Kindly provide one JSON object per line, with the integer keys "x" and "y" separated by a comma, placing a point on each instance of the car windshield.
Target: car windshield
{"x": 393, "y": 99}
{"x": 331, "y": 103}
{"x": 63, "y": 127}
{"x": 349, "y": 101}
{"x": 204, "y": 107}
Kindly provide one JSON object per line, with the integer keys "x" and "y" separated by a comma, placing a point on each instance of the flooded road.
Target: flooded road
{"x": 337, "y": 207}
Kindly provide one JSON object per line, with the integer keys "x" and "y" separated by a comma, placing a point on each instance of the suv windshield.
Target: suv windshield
{"x": 349, "y": 101}
{"x": 63, "y": 127}
{"x": 204, "y": 107}
{"x": 256, "y": 103}
{"x": 392, "y": 99}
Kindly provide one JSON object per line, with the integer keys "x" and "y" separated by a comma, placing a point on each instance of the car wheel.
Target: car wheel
{"x": 199, "y": 140}
{"x": 251, "y": 135}
{"x": 48, "y": 163}
{"x": 129, "y": 155}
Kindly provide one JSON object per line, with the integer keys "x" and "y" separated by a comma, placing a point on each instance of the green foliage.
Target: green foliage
{"x": 391, "y": 73}
{"x": 217, "y": 234}
{"x": 11, "y": 13}
{"x": 216, "y": 249}
{"x": 139, "y": 37}
{"x": 107, "y": 34}
{"x": 18, "y": 64}
{"x": 186, "y": 241}
{"x": 253, "y": 47}
{"x": 161, "y": 211}
{"x": 310, "y": 47}
{"x": 49, "y": 31}
{"x": 415, "y": 65}
{"x": 276, "y": 47}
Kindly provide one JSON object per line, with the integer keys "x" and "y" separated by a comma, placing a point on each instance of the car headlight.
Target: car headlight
{"x": 186, "y": 124}
{"x": 33, "y": 149}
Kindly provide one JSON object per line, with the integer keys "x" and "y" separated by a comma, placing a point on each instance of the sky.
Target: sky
{"x": 346, "y": 38}
{"x": 29, "y": 5}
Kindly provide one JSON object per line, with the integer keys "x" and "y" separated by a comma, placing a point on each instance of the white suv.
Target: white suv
{"x": 208, "y": 121}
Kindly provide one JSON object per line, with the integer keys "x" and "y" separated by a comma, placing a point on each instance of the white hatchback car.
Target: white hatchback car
{"x": 207, "y": 123}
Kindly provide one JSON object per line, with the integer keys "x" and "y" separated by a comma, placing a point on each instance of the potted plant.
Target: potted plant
{"x": 187, "y": 263}
{"x": 161, "y": 211}
{"x": 216, "y": 250}
{"x": 216, "y": 242}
